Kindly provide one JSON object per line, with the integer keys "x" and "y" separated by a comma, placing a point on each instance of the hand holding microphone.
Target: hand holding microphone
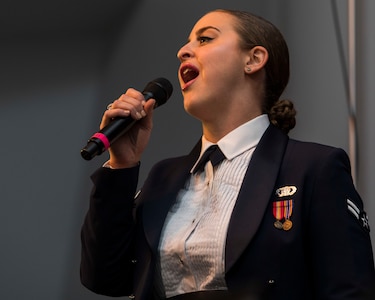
{"x": 124, "y": 113}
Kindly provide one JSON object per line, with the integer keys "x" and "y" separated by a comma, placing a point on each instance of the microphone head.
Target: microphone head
{"x": 160, "y": 89}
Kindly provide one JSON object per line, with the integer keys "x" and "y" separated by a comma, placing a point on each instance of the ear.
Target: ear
{"x": 256, "y": 59}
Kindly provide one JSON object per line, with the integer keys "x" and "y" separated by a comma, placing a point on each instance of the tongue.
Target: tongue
{"x": 190, "y": 75}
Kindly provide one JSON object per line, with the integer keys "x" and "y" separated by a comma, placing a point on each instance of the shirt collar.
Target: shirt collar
{"x": 241, "y": 139}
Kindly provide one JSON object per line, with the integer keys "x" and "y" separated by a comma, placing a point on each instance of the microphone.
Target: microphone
{"x": 160, "y": 89}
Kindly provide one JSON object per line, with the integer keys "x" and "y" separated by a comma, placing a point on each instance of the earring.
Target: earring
{"x": 248, "y": 69}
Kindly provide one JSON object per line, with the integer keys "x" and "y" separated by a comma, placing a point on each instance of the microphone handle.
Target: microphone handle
{"x": 102, "y": 140}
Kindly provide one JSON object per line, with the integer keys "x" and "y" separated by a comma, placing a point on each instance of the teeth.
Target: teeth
{"x": 185, "y": 71}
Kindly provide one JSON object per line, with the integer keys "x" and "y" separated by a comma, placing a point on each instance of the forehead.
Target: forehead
{"x": 220, "y": 20}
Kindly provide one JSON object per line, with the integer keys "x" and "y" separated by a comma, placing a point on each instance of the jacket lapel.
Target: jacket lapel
{"x": 254, "y": 196}
{"x": 255, "y": 193}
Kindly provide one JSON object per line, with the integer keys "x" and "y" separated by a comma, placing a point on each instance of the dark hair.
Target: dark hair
{"x": 256, "y": 31}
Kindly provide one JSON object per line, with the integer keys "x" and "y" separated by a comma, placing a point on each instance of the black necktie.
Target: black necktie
{"x": 214, "y": 154}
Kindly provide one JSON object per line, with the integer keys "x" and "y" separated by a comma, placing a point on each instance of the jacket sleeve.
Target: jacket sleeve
{"x": 107, "y": 234}
{"x": 339, "y": 240}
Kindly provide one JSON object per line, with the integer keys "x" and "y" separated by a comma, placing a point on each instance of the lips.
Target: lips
{"x": 188, "y": 73}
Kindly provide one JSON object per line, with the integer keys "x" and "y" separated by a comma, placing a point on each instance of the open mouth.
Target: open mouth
{"x": 188, "y": 73}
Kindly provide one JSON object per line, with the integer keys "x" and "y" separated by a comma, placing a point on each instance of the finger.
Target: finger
{"x": 145, "y": 110}
{"x": 133, "y": 93}
{"x": 131, "y": 101}
{"x": 132, "y": 97}
{"x": 127, "y": 109}
{"x": 127, "y": 103}
{"x": 111, "y": 114}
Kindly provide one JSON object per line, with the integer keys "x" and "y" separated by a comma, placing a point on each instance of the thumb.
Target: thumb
{"x": 149, "y": 106}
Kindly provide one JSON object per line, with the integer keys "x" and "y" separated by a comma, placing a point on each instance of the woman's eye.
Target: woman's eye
{"x": 204, "y": 39}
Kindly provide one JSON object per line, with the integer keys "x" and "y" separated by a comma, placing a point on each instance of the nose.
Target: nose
{"x": 184, "y": 53}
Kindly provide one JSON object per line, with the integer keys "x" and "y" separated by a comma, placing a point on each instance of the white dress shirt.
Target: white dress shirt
{"x": 192, "y": 243}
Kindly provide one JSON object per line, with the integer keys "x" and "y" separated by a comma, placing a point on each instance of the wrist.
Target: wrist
{"x": 114, "y": 164}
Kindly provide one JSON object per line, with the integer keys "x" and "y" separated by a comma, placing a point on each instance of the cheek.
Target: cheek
{"x": 223, "y": 62}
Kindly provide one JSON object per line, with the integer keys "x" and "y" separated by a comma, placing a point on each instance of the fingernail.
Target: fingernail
{"x": 138, "y": 115}
{"x": 143, "y": 113}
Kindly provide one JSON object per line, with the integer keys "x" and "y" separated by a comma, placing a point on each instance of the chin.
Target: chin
{"x": 191, "y": 107}
{"x": 195, "y": 109}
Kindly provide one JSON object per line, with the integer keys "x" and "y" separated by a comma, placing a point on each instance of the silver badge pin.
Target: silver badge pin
{"x": 286, "y": 191}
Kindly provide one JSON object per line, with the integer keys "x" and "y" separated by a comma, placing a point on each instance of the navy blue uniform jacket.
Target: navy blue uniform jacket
{"x": 326, "y": 254}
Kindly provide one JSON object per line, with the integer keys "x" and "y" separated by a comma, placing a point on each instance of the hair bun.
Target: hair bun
{"x": 283, "y": 115}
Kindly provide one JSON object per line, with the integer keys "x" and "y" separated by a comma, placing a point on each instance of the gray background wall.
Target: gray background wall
{"x": 61, "y": 62}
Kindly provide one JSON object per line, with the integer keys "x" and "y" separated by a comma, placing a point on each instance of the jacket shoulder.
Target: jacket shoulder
{"x": 312, "y": 150}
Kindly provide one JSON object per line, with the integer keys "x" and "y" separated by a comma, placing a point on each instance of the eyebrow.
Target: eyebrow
{"x": 203, "y": 29}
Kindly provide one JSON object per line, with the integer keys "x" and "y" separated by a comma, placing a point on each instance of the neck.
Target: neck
{"x": 244, "y": 105}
